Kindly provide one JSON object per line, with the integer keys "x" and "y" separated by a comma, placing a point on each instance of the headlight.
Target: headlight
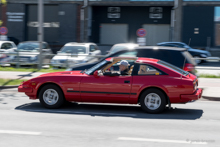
{"x": 195, "y": 84}
{"x": 203, "y": 55}
{"x": 33, "y": 58}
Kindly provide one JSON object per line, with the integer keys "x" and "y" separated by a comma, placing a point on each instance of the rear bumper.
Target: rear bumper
{"x": 21, "y": 88}
{"x": 192, "y": 97}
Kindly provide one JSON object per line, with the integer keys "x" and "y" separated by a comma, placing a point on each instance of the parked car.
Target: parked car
{"x": 121, "y": 46}
{"x": 4, "y": 60}
{"x": 29, "y": 52}
{"x": 152, "y": 83}
{"x": 75, "y": 53}
{"x": 175, "y": 56}
{"x": 196, "y": 53}
{"x": 7, "y": 46}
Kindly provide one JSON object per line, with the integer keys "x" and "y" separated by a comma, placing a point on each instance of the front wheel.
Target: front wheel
{"x": 51, "y": 96}
{"x": 153, "y": 101}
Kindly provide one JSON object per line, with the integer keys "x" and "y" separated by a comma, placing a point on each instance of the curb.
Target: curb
{"x": 8, "y": 87}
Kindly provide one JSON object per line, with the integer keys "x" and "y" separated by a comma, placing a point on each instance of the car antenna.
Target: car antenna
{"x": 185, "y": 59}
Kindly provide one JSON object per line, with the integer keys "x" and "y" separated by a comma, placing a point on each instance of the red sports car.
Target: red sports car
{"x": 152, "y": 83}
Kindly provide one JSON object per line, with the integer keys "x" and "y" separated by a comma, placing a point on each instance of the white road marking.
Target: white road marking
{"x": 159, "y": 140}
{"x": 19, "y": 132}
{"x": 77, "y": 112}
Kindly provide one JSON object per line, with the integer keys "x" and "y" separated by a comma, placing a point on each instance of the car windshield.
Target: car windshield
{"x": 28, "y": 47}
{"x": 117, "y": 48}
{"x": 173, "y": 67}
{"x": 97, "y": 66}
{"x": 74, "y": 49}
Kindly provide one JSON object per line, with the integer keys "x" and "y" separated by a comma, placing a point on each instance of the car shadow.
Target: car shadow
{"x": 109, "y": 110}
{"x": 211, "y": 98}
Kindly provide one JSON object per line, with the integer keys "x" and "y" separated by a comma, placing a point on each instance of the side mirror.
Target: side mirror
{"x": 107, "y": 52}
{"x": 96, "y": 74}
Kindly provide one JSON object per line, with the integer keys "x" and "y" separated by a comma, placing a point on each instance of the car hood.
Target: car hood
{"x": 74, "y": 73}
{"x": 198, "y": 51}
{"x": 68, "y": 56}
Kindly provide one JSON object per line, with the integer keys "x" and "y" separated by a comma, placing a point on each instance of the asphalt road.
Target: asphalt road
{"x": 24, "y": 123}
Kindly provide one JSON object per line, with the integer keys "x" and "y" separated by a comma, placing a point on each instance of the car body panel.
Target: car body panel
{"x": 106, "y": 89}
{"x": 81, "y": 87}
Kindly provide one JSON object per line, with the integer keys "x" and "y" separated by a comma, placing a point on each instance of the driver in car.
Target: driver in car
{"x": 123, "y": 67}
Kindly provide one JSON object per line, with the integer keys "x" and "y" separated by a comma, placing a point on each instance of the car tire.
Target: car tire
{"x": 197, "y": 61}
{"x": 153, "y": 101}
{"x": 51, "y": 96}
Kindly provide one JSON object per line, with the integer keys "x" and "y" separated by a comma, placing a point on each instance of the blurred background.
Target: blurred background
{"x": 189, "y": 24}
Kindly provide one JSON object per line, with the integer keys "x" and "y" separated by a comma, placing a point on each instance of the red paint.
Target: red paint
{"x": 107, "y": 89}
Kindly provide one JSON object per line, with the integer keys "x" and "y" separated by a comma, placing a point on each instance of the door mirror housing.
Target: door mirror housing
{"x": 96, "y": 74}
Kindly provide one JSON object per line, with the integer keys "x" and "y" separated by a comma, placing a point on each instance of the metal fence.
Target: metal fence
{"x": 18, "y": 58}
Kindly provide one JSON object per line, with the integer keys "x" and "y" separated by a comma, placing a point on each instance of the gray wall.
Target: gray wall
{"x": 68, "y": 23}
{"x": 16, "y": 27}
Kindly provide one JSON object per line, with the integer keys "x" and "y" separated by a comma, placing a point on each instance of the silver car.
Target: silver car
{"x": 75, "y": 53}
{"x": 28, "y": 52}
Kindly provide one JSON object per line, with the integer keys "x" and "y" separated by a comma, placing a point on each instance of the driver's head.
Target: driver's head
{"x": 123, "y": 65}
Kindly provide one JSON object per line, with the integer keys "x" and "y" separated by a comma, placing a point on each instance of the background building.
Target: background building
{"x": 116, "y": 21}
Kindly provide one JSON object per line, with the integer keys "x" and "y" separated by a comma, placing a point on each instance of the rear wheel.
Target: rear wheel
{"x": 153, "y": 101}
{"x": 51, "y": 96}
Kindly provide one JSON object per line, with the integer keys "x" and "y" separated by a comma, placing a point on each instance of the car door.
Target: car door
{"x": 106, "y": 89}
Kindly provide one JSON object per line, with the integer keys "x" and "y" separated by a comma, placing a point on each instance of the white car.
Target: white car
{"x": 75, "y": 53}
{"x": 6, "y": 47}
{"x": 121, "y": 46}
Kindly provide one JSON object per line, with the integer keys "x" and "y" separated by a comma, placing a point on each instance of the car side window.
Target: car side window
{"x": 148, "y": 70}
{"x": 92, "y": 48}
{"x": 6, "y": 46}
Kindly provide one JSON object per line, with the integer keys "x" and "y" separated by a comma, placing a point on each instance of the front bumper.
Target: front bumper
{"x": 21, "y": 88}
{"x": 192, "y": 97}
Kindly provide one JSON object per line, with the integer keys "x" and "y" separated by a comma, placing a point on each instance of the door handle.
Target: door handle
{"x": 126, "y": 81}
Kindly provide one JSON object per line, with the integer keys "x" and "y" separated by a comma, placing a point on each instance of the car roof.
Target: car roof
{"x": 31, "y": 42}
{"x": 161, "y": 48}
{"x": 170, "y": 42}
{"x": 76, "y": 43}
{"x": 139, "y": 60}
{"x": 6, "y": 42}
{"x": 126, "y": 44}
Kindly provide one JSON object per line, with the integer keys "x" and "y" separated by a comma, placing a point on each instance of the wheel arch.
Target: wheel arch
{"x": 47, "y": 83}
{"x": 154, "y": 87}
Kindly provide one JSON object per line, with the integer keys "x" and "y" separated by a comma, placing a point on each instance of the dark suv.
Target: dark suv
{"x": 175, "y": 56}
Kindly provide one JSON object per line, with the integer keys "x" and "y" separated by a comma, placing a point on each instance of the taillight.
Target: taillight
{"x": 189, "y": 67}
{"x": 195, "y": 84}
